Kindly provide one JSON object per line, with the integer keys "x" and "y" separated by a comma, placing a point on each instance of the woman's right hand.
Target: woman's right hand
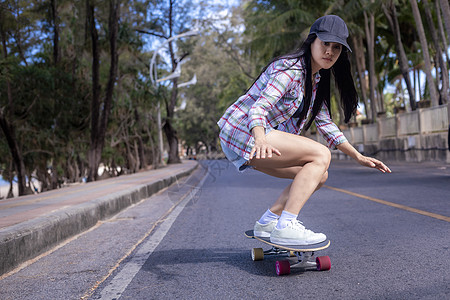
{"x": 261, "y": 146}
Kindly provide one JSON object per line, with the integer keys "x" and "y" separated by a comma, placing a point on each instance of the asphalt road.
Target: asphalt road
{"x": 390, "y": 238}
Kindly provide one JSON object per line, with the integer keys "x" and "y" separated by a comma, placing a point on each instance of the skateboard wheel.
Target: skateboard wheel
{"x": 292, "y": 254}
{"x": 257, "y": 254}
{"x": 323, "y": 263}
{"x": 283, "y": 267}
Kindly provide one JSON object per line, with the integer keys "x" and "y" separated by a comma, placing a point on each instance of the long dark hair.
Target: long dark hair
{"x": 343, "y": 79}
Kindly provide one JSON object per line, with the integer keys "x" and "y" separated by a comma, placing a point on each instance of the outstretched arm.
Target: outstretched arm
{"x": 370, "y": 162}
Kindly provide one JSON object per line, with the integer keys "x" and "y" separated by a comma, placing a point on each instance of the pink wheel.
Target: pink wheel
{"x": 323, "y": 263}
{"x": 283, "y": 267}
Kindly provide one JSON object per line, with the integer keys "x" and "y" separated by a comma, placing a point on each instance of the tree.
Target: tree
{"x": 169, "y": 21}
{"x": 369, "y": 25}
{"x": 391, "y": 15}
{"x": 360, "y": 62}
{"x": 217, "y": 87}
{"x": 7, "y": 111}
{"x": 440, "y": 63}
{"x": 100, "y": 110}
{"x": 446, "y": 16}
{"x": 277, "y": 27}
{"x": 440, "y": 24}
{"x": 445, "y": 7}
{"x": 426, "y": 56}
{"x": 45, "y": 74}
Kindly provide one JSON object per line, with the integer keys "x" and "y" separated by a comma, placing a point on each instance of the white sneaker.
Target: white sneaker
{"x": 296, "y": 234}
{"x": 264, "y": 230}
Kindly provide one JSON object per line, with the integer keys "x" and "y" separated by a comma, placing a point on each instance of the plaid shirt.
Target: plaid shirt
{"x": 271, "y": 102}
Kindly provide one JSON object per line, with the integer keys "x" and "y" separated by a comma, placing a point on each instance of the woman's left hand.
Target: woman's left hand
{"x": 373, "y": 163}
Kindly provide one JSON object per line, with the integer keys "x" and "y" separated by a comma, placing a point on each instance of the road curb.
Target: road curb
{"x": 26, "y": 240}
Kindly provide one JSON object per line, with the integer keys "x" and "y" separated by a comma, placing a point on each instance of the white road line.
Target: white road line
{"x": 120, "y": 282}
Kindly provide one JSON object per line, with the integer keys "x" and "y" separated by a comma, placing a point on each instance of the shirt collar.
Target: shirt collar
{"x": 317, "y": 77}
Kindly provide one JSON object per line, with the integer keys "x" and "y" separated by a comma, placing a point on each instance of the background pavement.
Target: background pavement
{"x": 33, "y": 224}
{"x": 389, "y": 240}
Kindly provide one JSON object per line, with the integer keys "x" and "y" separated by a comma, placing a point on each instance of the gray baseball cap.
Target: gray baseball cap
{"x": 331, "y": 28}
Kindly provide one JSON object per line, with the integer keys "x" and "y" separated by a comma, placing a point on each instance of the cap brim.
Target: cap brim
{"x": 326, "y": 37}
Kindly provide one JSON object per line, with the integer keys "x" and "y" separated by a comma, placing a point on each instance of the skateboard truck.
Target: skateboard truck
{"x": 305, "y": 260}
{"x": 305, "y": 255}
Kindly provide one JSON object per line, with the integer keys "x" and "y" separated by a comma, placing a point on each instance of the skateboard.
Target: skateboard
{"x": 305, "y": 255}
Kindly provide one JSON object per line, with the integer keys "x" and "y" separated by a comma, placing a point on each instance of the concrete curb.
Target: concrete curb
{"x": 26, "y": 240}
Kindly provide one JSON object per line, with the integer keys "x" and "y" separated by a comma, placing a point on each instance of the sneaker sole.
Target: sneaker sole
{"x": 263, "y": 234}
{"x": 290, "y": 242}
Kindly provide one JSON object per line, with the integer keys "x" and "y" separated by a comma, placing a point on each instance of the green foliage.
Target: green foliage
{"x": 220, "y": 66}
{"x": 50, "y": 105}
{"x": 50, "y": 109}
{"x": 277, "y": 27}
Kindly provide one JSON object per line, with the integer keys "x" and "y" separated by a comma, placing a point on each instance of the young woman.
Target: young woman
{"x": 261, "y": 130}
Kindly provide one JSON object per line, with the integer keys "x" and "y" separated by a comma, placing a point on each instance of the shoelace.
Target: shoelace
{"x": 298, "y": 225}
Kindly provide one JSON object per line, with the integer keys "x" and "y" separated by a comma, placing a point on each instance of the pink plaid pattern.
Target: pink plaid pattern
{"x": 271, "y": 102}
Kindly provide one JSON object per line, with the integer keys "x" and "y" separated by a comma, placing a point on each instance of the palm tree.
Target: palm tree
{"x": 446, "y": 15}
{"x": 440, "y": 59}
{"x": 391, "y": 15}
{"x": 369, "y": 25}
{"x": 426, "y": 54}
{"x": 441, "y": 28}
{"x": 360, "y": 63}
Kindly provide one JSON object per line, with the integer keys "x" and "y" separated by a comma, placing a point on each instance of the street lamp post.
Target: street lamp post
{"x": 154, "y": 80}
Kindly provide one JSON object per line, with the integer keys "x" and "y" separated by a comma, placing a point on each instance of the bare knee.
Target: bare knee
{"x": 322, "y": 158}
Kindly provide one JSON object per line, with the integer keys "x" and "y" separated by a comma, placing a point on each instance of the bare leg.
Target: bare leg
{"x": 303, "y": 160}
{"x": 278, "y": 206}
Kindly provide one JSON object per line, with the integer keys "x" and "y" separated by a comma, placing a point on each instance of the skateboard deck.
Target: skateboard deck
{"x": 304, "y": 253}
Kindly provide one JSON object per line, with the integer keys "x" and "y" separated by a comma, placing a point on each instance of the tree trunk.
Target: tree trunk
{"x": 138, "y": 157}
{"x": 141, "y": 151}
{"x": 441, "y": 29}
{"x": 391, "y": 15}
{"x": 138, "y": 134}
{"x": 360, "y": 68}
{"x": 153, "y": 148}
{"x": 16, "y": 154}
{"x": 55, "y": 20}
{"x": 446, "y": 15}
{"x": 426, "y": 55}
{"x": 114, "y": 60}
{"x": 172, "y": 139}
{"x": 170, "y": 132}
{"x": 370, "y": 37}
{"x": 54, "y": 178}
{"x": 445, "y": 8}
{"x": 419, "y": 86}
{"x": 440, "y": 59}
{"x": 9, "y": 129}
{"x": 93, "y": 158}
{"x": 99, "y": 122}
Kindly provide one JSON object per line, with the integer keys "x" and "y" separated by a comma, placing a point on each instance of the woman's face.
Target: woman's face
{"x": 324, "y": 54}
